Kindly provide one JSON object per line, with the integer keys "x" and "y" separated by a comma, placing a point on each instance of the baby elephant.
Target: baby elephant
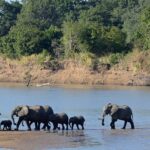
{"x": 6, "y": 124}
{"x": 77, "y": 120}
{"x": 59, "y": 118}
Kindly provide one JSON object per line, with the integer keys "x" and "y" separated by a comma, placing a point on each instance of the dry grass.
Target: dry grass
{"x": 75, "y": 71}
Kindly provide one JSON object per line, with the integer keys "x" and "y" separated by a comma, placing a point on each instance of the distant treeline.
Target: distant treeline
{"x": 63, "y": 28}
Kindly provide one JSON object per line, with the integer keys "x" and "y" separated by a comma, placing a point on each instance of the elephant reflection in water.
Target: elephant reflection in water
{"x": 117, "y": 112}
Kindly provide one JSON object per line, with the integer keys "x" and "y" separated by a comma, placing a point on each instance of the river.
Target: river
{"x": 88, "y": 101}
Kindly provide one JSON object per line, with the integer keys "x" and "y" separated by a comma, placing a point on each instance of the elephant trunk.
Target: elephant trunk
{"x": 103, "y": 122}
{"x": 12, "y": 116}
{"x": 103, "y": 116}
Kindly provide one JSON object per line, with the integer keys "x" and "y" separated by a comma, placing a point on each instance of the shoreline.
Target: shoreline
{"x": 37, "y": 140}
{"x": 75, "y": 86}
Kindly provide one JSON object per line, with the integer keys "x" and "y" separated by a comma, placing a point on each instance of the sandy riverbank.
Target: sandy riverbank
{"x": 37, "y": 140}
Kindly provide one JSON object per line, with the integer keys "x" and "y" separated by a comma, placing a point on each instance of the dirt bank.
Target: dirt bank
{"x": 71, "y": 72}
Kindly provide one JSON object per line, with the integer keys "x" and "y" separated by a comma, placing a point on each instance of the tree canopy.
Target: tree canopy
{"x": 65, "y": 27}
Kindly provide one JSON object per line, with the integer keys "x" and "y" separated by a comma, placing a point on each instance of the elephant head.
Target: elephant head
{"x": 19, "y": 111}
{"x": 109, "y": 109}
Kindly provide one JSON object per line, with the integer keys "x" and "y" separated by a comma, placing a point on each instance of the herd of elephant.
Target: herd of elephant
{"x": 45, "y": 115}
{"x": 42, "y": 114}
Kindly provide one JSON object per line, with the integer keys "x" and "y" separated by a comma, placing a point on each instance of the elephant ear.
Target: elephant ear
{"x": 23, "y": 111}
{"x": 114, "y": 109}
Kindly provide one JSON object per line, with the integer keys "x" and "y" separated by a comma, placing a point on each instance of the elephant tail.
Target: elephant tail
{"x": 131, "y": 115}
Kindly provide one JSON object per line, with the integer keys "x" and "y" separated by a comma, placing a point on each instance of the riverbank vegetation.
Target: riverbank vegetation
{"x": 98, "y": 34}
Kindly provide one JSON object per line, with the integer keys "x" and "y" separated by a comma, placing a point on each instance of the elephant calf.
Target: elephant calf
{"x": 59, "y": 118}
{"x": 116, "y": 112}
{"x": 6, "y": 124}
{"x": 77, "y": 120}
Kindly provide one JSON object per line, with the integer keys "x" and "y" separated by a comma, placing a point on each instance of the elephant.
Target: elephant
{"x": 59, "y": 118}
{"x": 36, "y": 114}
{"x": 77, "y": 120}
{"x": 117, "y": 112}
{"x": 6, "y": 124}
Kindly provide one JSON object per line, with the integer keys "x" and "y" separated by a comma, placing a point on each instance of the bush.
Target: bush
{"x": 115, "y": 58}
{"x": 85, "y": 58}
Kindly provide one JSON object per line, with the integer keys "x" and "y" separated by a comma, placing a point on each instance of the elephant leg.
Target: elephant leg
{"x": 72, "y": 126}
{"x": 18, "y": 123}
{"x": 44, "y": 126}
{"x": 77, "y": 126}
{"x": 125, "y": 123}
{"x": 66, "y": 126}
{"x": 35, "y": 126}
{"x": 112, "y": 124}
{"x": 28, "y": 124}
{"x": 63, "y": 128}
{"x": 132, "y": 124}
{"x": 55, "y": 126}
{"x": 38, "y": 125}
{"x": 48, "y": 127}
{"x": 82, "y": 126}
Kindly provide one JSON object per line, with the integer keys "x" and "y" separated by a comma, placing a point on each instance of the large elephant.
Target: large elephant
{"x": 77, "y": 120}
{"x": 116, "y": 112}
{"x": 29, "y": 114}
{"x": 59, "y": 118}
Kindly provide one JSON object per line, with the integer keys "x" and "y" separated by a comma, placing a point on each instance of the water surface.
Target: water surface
{"x": 88, "y": 101}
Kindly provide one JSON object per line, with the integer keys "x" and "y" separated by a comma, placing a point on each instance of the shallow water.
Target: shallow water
{"x": 88, "y": 101}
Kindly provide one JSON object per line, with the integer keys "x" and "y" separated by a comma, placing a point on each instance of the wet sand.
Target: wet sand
{"x": 36, "y": 140}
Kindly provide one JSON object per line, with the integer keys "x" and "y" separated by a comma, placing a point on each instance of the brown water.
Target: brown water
{"x": 88, "y": 102}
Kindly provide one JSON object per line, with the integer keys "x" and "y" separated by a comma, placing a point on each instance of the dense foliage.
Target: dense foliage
{"x": 64, "y": 28}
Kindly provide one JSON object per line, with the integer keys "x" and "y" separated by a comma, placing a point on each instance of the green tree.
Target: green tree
{"x": 143, "y": 32}
{"x": 8, "y": 15}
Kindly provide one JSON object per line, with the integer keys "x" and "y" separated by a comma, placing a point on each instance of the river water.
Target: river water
{"x": 88, "y": 101}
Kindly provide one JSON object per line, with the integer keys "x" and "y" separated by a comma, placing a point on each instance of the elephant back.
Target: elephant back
{"x": 48, "y": 109}
{"x": 62, "y": 117}
{"x": 40, "y": 113}
{"x": 81, "y": 118}
{"x": 125, "y": 112}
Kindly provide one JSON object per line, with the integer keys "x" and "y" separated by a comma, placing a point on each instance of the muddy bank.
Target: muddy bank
{"x": 37, "y": 140}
